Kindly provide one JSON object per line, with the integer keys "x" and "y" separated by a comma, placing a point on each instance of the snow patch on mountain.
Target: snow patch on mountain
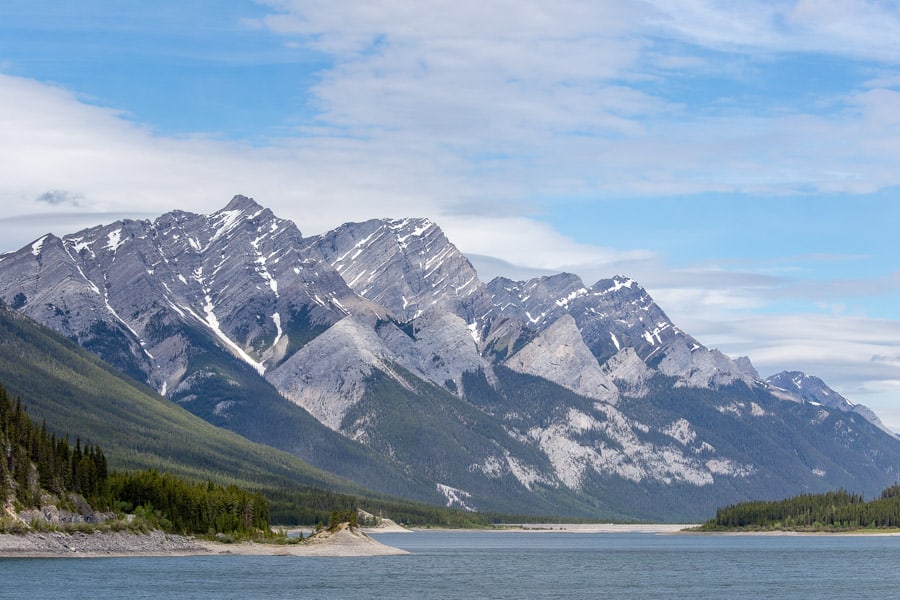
{"x": 113, "y": 240}
{"x": 212, "y": 322}
{"x": 37, "y": 246}
{"x": 456, "y": 497}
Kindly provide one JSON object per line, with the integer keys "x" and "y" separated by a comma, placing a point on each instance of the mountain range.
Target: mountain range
{"x": 374, "y": 352}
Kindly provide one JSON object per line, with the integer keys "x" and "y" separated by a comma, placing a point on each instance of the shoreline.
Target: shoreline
{"x": 788, "y": 532}
{"x": 342, "y": 543}
{"x": 657, "y": 528}
{"x": 651, "y": 528}
{"x": 573, "y": 528}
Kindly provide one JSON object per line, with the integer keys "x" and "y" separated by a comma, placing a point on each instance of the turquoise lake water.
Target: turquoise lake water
{"x": 489, "y": 565}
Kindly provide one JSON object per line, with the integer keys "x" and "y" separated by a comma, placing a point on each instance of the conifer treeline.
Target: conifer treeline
{"x": 191, "y": 507}
{"x": 831, "y": 510}
{"x": 33, "y": 460}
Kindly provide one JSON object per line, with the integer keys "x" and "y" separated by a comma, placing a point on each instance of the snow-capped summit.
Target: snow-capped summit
{"x": 800, "y": 387}
{"x": 517, "y": 395}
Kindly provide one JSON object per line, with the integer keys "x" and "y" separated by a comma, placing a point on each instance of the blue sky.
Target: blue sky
{"x": 739, "y": 160}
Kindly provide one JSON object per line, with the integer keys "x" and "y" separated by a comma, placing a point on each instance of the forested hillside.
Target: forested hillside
{"x": 71, "y": 391}
{"x": 33, "y": 460}
{"x": 38, "y": 469}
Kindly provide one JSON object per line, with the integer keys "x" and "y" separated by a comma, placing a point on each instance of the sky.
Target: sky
{"x": 739, "y": 160}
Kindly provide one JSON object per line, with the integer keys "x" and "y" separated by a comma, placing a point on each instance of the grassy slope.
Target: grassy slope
{"x": 75, "y": 392}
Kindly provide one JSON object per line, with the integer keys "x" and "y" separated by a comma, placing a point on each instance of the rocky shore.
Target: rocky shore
{"x": 343, "y": 542}
{"x": 102, "y": 543}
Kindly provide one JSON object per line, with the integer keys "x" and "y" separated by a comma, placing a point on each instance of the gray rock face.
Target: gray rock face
{"x": 440, "y": 346}
{"x": 407, "y": 266}
{"x": 612, "y": 315}
{"x": 237, "y": 276}
{"x": 544, "y": 387}
{"x": 559, "y": 354}
{"x": 327, "y": 376}
{"x": 746, "y": 368}
{"x": 629, "y": 372}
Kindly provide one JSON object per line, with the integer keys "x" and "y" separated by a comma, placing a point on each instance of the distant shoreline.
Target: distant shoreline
{"x": 576, "y": 528}
{"x": 790, "y": 532}
{"x": 653, "y": 528}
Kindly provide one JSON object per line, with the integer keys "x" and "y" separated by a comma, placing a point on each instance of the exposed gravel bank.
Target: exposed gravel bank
{"x": 343, "y": 542}
{"x": 118, "y": 543}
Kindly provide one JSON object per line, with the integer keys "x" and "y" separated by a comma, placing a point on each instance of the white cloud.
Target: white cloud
{"x": 855, "y": 28}
{"x": 528, "y": 243}
{"x": 54, "y": 147}
{"x": 478, "y": 114}
{"x": 558, "y": 88}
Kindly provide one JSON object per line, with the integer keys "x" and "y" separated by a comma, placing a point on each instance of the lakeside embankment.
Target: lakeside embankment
{"x": 342, "y": 542}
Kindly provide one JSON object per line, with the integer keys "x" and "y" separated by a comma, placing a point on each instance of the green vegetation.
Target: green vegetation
{"x": 831, "y": 511}
{"x": 33, "y": 460}
{"x": 138, "y": 429}
{"x": 186, "y": 507}
{"x": 337, "y": 517}
{"x": 71, "y": 390}
{"x": 37, "y": 469}
{"x": 315, "y": 506}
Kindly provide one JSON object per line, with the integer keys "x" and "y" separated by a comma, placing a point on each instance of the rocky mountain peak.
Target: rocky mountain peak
{"x": 382, "y": 331}
{"x": 797, "y": 386}
{"x": 539, "y": 301}
{"x": 808, "y": 388}
{"x": 242, "y": 203}
{"x": 746, "y": 367}
{"x": 407, "y": 265}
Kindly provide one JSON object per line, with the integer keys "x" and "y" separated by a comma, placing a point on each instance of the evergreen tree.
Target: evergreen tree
{"x": 831, "y": 510}
{"x": 33, "y": 459}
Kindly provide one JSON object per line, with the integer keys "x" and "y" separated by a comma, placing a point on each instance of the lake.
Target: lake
{"x": 495, "y": 565}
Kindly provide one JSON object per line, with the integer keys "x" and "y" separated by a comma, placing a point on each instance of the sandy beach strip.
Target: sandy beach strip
{"x": 605, "y": 527}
